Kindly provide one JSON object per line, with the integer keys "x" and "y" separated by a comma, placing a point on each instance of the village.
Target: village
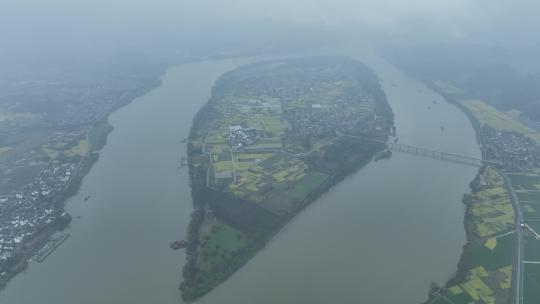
{"x": 516, "y": 151}
{"x": 269, "y": 142}
{"x": 50, "y": 125}
{"x": 32, "y": 208}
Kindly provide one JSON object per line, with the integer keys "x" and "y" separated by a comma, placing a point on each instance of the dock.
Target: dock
{"x": 54, "y": 243}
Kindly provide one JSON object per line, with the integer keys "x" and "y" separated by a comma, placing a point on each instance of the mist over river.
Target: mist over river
{"x": 380, "y": 236}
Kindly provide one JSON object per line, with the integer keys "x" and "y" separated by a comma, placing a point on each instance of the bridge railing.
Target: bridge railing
{"x": 463, "y": 159}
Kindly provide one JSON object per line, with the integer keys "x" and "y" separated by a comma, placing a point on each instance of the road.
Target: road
{"x": 517, "y": 279}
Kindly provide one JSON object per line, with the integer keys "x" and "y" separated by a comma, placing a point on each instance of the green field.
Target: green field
{"x": 532, "y": 197}
{"x": 278, "y": 183}
{"x": 528, "y": 194}
{"x": 264, "y": 115}
{"x": 489, "y": 115}
{"x": 294, "y": 196}
{"x": 532, "y": 246}
{"x": 491, "y": 210}
{"x": 523, "y": 181}
{"x": 220, "y": 244}
{"x": 450, "y": 91}
{"x": 488, "y": 278}
{"x": 531, "y": 287}
{"x": 270, "y": 141}
{"x": 69, "y": 149}
{"x": 491, "y": 259}
{"x": 485, "y": 273}
{"x": 80, "y": 149}
{"x": 97, "y": 135}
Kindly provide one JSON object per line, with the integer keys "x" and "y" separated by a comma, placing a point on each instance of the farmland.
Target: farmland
{"x": 504, "y": 136}
{"x": 531, "y": 292}
{"x": 527, "y": 187}
{"x": 268, "y": 143}
{"x": 490, "y": 216}
{"x": 489, "y": 115}
{"x": 485, "y": 268}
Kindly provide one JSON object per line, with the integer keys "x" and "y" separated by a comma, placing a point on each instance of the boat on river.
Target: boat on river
{"x": 383, "y": 155}
{"x": 178, "y": 244}
{"x": 181, "y": 162}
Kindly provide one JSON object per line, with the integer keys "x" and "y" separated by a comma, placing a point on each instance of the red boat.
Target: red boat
{"x": 178, "y": 244}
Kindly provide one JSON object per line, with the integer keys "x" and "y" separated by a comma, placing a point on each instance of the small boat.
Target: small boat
{"x": 442, "y": 128}
{"x": 178, "y": 244}
{"x": 181, "y": 162}
{"x": 383, "y": 155}
{"x": 87, "y": 198}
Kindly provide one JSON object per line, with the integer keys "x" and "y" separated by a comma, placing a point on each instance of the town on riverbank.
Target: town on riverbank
{"x": 500, "y": 262}
{"x": 52, "y": 126}
{"x": 269, "y": 142}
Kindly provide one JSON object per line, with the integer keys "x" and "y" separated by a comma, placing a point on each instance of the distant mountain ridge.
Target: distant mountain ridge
{"x": 506, "y": 79}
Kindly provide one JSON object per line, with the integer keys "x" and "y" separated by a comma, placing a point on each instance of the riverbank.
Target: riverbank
{"x": 490, "y": 222}
{"x": 485, "y": 267}
{"x": 246, "y": 192}
{"x": 96, "y": 138}
{"x": 18, "y": 261}
{"x": 329, "y": 251}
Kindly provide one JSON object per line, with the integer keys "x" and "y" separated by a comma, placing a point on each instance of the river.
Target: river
{"x": 380, "y": 236}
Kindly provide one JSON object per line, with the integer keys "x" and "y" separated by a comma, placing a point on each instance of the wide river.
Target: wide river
{"x": 380, "y": 236}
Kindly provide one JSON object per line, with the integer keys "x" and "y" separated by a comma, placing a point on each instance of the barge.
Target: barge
{"x": 55, "y": 241}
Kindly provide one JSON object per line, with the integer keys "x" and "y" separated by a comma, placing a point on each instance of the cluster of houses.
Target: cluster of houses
{"x": 325, "y": 122}
{"x": 311, "y": 119}
{"x": 515, "y": 151}
{"x": 321, "y": 120}
{"x": 35, "y": 171}
{"x": 240, "y": 137}
{"x": 31, "y": 209}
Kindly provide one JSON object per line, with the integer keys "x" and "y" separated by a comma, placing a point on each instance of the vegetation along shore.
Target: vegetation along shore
{"x": 272, "y": 139}
{"x": 486, "y": 271}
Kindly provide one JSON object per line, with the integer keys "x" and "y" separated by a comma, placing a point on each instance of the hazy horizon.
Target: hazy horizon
{"x": 41, "y": 28}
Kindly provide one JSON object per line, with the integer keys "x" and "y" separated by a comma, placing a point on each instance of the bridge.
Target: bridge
{"x": 435, "y": 154}
{"x": 458, "y": 158}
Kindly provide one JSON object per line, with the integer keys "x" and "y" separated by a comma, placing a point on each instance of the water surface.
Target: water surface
{"x": 380, "y": 236}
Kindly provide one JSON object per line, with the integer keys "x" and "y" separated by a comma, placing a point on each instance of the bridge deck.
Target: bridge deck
{"x": 458, "y": 158}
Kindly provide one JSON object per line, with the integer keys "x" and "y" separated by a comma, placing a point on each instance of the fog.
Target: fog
{"x": 172, "y": 81}
{"x": 49, "y": 26}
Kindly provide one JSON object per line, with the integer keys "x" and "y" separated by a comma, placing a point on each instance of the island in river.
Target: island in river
{"x": 273, "y": 137}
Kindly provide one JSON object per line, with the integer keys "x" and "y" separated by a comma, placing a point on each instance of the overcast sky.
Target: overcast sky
{"x": 52, "y": 24}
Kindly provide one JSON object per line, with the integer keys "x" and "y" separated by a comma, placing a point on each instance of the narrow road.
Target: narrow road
{"x": 517, "y": 280}
{"x": 536, "y": 235}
